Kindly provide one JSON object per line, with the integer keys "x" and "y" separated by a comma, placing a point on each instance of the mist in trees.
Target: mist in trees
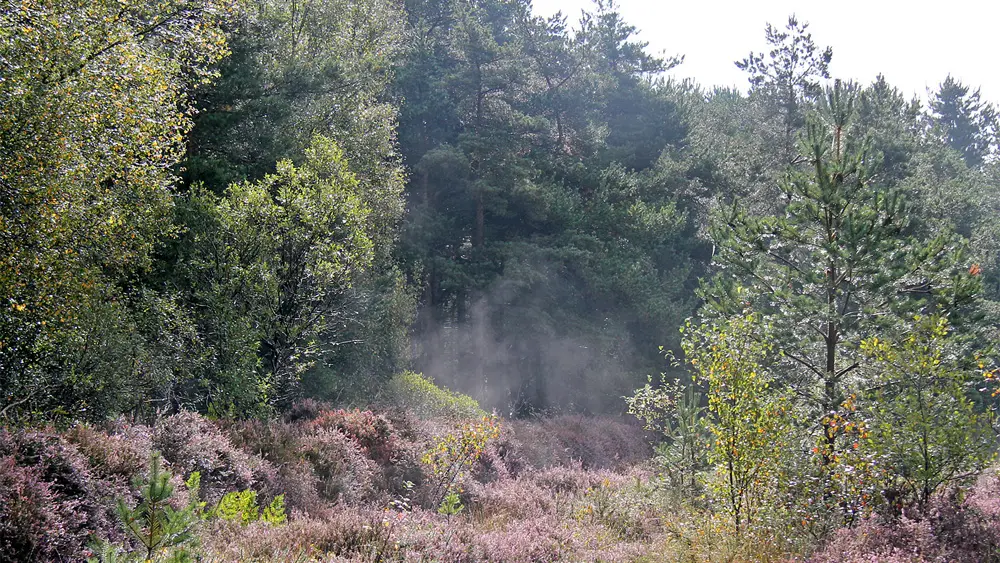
{"x": 540, "y": 227}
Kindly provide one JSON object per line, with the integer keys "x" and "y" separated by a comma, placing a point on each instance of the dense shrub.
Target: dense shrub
{"x": 952, "y": 530}
{"x": 348, "y": 532}
{"x": 306, "y": 410}
{"x": 510, "y": 499}
{"x": 345, "y": 504}
{"x": 276, "y": 442}
{"x": 501, "y": 459}
{"x": 536, "y": 539}
{"x": 571, "y": 478}
{"x": 52, "y": 499}
{"x": 628, "y": 510}
{"x": 191, "y": 443}
{"x": 282, "y": 468}
{"x": 315, "y": 461}
{"x": 451, "y": 457}
{"x": 34, "y": 523}
{"x": 122, "y": 451}
{"x": 373, "y": 433}
{"x": 595, "y": 442}
{"x": 523, "y": 541}
{"x": 344, "y": 473}
{"x": 417, "y": 394}
{"x": 301, "y": 487}
{"x": 984, "y": 497}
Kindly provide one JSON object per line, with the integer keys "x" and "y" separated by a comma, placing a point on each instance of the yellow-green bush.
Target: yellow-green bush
{"x": 418, "y": 394}
{"x": 241, "y": 506}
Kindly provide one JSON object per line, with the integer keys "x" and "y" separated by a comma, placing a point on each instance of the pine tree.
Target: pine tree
{"x": 965, "y": 122}
{"x": 788, "y": 78}
{"x": 837, "y": 266}
{"x": 163, "y": 534}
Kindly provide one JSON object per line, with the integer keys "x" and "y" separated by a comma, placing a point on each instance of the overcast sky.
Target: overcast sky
{"x": 914, "y": 44}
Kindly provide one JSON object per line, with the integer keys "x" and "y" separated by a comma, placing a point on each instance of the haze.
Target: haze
{"x": 915, "y": 49}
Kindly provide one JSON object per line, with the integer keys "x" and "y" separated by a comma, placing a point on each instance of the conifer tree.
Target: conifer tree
{"x": 965, "y": 122}
{"x": 788, "y": 78}
{"x": 837, "y": 266}
{"x": 162, "y": 533}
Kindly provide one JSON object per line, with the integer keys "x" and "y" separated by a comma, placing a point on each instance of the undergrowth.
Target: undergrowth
{"x": 397, "y": 485}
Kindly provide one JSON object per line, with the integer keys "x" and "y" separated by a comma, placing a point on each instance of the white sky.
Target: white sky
{"x": 914, "y": 44}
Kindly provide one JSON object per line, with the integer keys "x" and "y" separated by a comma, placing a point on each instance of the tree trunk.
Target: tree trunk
{"x": 479, "y": 235}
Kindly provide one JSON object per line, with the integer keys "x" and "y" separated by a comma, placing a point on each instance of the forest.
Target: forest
{"x": 445, "y": 280}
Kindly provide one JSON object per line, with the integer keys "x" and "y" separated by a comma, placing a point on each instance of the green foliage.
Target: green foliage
{"x": 926, "y": 424}
{"x": 364, "y": 352}
{"x": 785, "y": 83}
{"x": 419, "y": 395}
{"x": 531, "y": 227}
{"x": 450, "y": 505}
{"x": 304, "y": 229}
{"x": 238, "y": 506}
{"x": 163, "y": 533}
{"x": 200, "y": 207}
{"x": 893, "y": 125}
{"x": 299, "y": 70}
{"x": 678, "y": 412}
{"x": 964, "y": 122}
{"x": 242, "y": 507}
{"x": 274, "y": 513}
{"x": 749, "y": 420}
{"x": 116, "y": 299}
{"x": 843, "y": 260}
{"x": 453, "y": 454}
{"x": 93, "y": 111}
{"x": 270, "y": 262}
{"x": 836, "y": 266}
{"x": 193, "y": 485}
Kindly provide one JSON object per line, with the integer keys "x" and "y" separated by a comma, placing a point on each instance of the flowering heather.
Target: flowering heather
{"x": 33, "y": 522}
{"x": 305, "y": 410}
{"x": 123, "y": 450}
{"x": 190, "y": 443}
{"x": 953, "y": 529}
{"x": 545, "y": 538}
{"x": 500, "y": 459}
{"x": 511, "y": 499}
{"x": 344, "y": 473}
{"x": 574, "y": 478}
{"x": 597, "y": 442}
{"x": 277, "y": 442}
{"x": 373, "y": 433}
{"x": 583, "y": 503}
{"x": 50, "y": 499}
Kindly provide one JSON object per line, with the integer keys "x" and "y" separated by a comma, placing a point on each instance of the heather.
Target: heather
{"x": 498, "y": 501}
{"x": 343, "y": 500}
